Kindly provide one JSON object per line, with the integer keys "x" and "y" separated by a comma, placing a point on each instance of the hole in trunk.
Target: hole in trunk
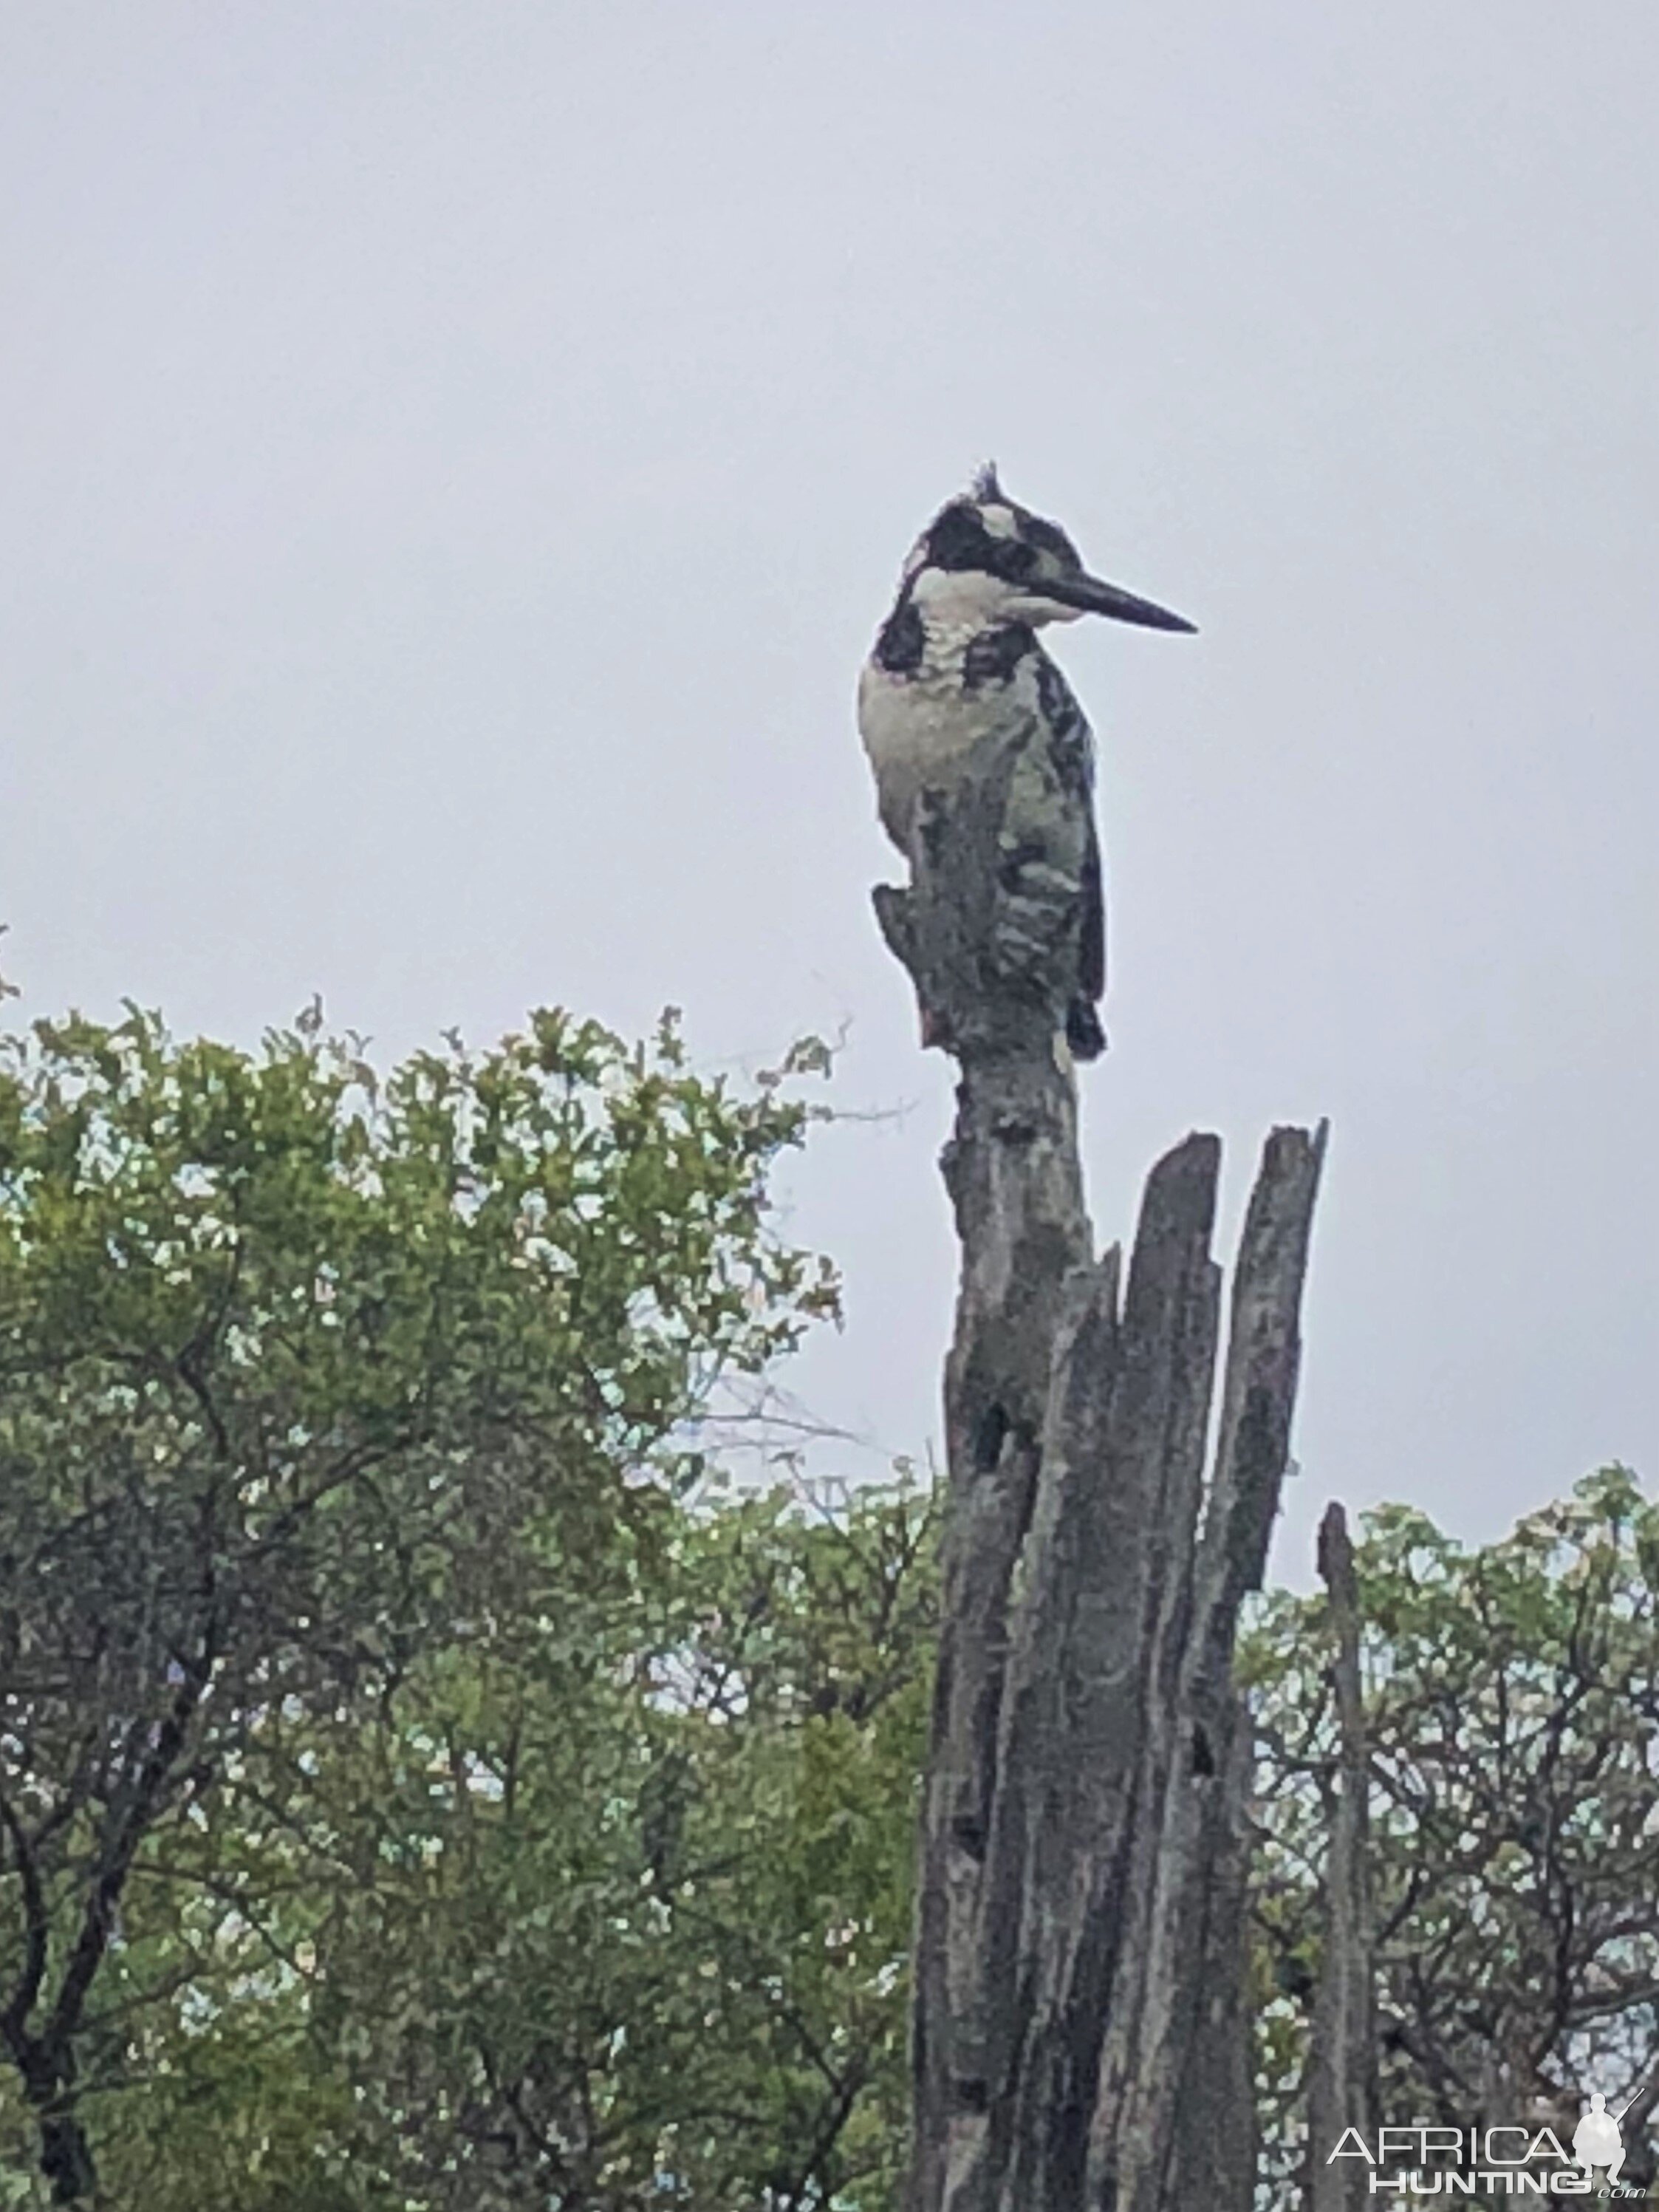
{"x": 988, "y": 1434}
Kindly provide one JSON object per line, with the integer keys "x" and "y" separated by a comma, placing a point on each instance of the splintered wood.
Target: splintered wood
{"x": 1080, "y": 2027}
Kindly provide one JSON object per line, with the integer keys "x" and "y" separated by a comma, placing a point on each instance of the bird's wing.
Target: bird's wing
{"x": 1092, "y": 958}
{"x": 1072, "y": 748}
{"x": 1071, "y": 741}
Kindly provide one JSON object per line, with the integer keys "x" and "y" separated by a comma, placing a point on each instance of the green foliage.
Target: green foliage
{"x": 648, "y": 1949}
{"x": 602, "y": 1906}
{"x": 310, "y": 1382}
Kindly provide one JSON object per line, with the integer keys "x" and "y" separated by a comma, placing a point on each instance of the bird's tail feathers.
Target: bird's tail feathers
{"x": 1083, "y": 1031}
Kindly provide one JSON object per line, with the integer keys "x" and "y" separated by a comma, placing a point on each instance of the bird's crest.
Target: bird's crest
{"x": 984, "y": 485}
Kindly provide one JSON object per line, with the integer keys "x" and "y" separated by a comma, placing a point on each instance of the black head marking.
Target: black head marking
{"x": 993, "y": 654}
{"x": 1013, "y": 558}
{"x": 959, "y": 538}
{"x": 902, "y": 640}
{"x": 1047, "y": 538}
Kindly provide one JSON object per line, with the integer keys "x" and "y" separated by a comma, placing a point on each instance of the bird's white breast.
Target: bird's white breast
{"x": 919, "y": 729}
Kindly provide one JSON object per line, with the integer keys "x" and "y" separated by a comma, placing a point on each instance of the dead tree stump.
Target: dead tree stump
{"x": 1080, "y": 2033}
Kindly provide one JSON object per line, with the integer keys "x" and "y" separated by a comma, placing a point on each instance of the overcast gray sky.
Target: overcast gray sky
{"x": 456, "y": 455}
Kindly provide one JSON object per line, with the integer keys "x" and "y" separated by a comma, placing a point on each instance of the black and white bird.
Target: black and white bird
{"x": 958, "y": 661}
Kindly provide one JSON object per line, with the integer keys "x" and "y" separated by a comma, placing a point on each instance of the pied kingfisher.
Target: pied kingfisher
{"x": 958, "y": 660}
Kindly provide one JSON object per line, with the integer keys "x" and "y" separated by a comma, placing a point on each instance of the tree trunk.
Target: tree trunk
{"x": 1342, "y": 2059}
{"x": 66, "y": 2155}
{"x": 1080, "y": 2022}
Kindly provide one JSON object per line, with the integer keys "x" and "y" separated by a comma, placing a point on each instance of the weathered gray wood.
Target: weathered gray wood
{"x": 1173, "y": 2096}
{"x": 1342, "y": 2061}
{"x": 1080, "y": 2031}
{"x": 1212, "y": 2156}
{"x": 1013, "y": 1173}
{"x": 1088, "y": 1721}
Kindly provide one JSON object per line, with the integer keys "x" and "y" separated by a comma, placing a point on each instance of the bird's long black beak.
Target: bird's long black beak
{"x": 1091, "y": 597}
